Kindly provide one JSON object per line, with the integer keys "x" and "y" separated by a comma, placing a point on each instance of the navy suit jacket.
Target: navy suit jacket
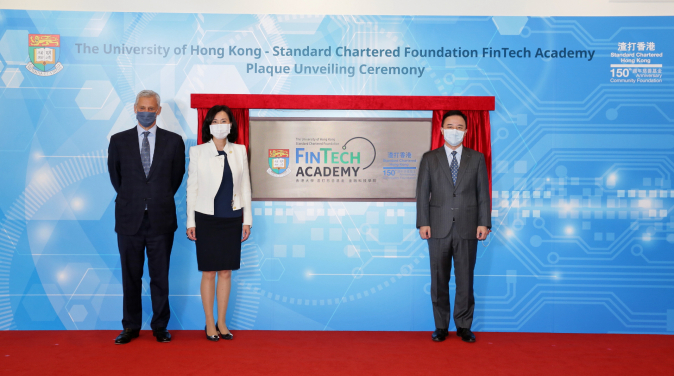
{"x": 156, "y": 191}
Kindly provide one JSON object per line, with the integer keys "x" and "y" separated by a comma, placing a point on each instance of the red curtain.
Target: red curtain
{"x": 343, "y": 102}
{"x": 242, "y": 120}
{"x": 202, "y": 115}
{"x": 436, "y": 125}
{"x": 478, "y": 136}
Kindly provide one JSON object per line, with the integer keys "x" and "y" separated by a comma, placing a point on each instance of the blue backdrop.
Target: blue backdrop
{"x": 582, "y": 156}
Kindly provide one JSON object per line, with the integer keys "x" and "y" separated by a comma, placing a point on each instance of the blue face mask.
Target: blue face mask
{"x": 146, "y": 118}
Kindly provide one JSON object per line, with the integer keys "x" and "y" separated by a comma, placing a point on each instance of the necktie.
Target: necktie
{"x": 145, "y": 154}
{"x": 454, "y": 167}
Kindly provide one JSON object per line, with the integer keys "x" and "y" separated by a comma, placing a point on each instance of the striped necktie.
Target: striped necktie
{"x": 145, "y": 154}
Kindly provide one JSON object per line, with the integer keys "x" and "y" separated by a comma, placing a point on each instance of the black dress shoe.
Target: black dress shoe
{"x": 439, "y": 335}
{"x": 162, "y": 335}
{"x": 229, "y": 336}
{"x": 126, "y": 336}
{"x": 214, "y": 338}
{"x": 465, "y": 334}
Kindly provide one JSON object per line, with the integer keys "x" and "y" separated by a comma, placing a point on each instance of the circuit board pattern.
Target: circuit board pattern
{"x": 582, "y": 180}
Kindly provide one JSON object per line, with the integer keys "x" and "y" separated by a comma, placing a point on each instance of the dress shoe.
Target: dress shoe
{"x": 465, "y": 334}
{"x": 214, "y": 338}
{"x": 126, "y": 336}
{"x": 162, "y": 335}
{"x": 439, "y": 335}
{"x": 228, "y": 336}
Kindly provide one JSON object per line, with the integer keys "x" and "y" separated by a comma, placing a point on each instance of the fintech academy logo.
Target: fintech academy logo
{"x": 321, "y": 162}
{"x": 43, "y": 50}
{"x": 279, "y": 162}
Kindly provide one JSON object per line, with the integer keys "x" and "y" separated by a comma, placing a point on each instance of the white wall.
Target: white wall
{"x": 364, "y": 7}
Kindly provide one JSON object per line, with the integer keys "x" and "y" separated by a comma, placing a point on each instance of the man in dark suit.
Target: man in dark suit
{"x": 453, "y": 213}
{"x": 146, "y": 166}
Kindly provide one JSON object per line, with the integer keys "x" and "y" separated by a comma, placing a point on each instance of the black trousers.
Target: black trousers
{"x": 132, "y": 252}
{"x": 464, "y": 252}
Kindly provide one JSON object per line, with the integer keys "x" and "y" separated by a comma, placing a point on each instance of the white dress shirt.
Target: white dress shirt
{"x": 151, "y": 138}
{"x": 458, "y": 151}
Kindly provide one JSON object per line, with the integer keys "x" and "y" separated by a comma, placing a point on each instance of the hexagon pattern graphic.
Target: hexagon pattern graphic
{"x": 510, "y": 25}
{"x": 38, "y": 308}
{"x": 12, "y": 77}
{"x": 78, "y": 313}
{"x": 125, "y": 120}
{"x": 272, "y": 269}
{"x": 97, "y": 100}
{"x": 14, "y": 47}
{"x": 168, "y": 121}
{"x": 287, "y": 23}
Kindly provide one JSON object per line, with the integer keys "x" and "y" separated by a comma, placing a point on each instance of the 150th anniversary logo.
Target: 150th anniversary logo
{"x": 43, "y": 50}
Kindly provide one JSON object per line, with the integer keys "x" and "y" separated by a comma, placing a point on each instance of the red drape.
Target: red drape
{"x": 202, "y": 115}
{"x": 343, "y": 102}
{"x": 478, "y": 136}
{"x": 242, "y": 120}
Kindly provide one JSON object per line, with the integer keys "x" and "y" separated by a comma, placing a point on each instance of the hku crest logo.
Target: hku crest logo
{"x": 279, "y": 161}
{"x": 43, "y": 50}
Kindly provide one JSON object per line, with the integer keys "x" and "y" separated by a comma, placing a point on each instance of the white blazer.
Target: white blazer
{"x": 205, "y": 175}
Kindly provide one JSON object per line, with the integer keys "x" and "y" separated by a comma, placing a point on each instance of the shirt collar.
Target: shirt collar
{"x": 458, "y": 150}
{"x": 153, "y": 130}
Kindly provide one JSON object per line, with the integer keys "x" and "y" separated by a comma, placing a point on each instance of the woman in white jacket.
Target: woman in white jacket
{"x": 218, "y": 195}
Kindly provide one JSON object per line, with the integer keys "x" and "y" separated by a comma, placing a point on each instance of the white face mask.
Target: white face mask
{"x": 453, "y": 137}
{"x": 220, "y": 131}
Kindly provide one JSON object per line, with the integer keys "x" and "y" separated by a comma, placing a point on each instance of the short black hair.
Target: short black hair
{"x": 210, "y": 115}
{"x": 454, "y": 113}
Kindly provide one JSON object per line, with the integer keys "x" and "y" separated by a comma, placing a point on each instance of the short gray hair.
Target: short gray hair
{"x": 147, "y": 94}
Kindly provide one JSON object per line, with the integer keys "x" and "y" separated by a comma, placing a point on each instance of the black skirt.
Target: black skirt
{"x": 218, "y": 242}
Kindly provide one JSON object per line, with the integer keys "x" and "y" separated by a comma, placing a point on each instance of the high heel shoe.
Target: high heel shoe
{"x": 229, "y": 336}
{"x": 214, "y": 338}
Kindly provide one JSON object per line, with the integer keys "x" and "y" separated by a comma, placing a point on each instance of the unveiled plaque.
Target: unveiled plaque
{"x": 340, "y": 159}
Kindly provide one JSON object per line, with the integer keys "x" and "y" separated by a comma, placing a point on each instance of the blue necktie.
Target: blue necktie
{"x": 454, "y": 167}
{"x": 145, "y": 154}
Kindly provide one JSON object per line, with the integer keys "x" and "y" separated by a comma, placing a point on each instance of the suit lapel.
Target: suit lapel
{"x": 135, "y": 146}
{"x": 444, "y": 164}
{"x": 216, "y": 162}
{"x": 463, "y": 165}
{"x": 159, "y": 147}
{"x": 231, "y": 158}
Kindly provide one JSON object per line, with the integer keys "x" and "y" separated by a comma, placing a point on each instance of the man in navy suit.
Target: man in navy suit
{"x": 146, "y": 166}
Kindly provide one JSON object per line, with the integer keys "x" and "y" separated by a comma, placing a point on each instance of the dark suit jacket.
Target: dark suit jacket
{"x": 441, "y": 204}
{"x": 134, "y": 190}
